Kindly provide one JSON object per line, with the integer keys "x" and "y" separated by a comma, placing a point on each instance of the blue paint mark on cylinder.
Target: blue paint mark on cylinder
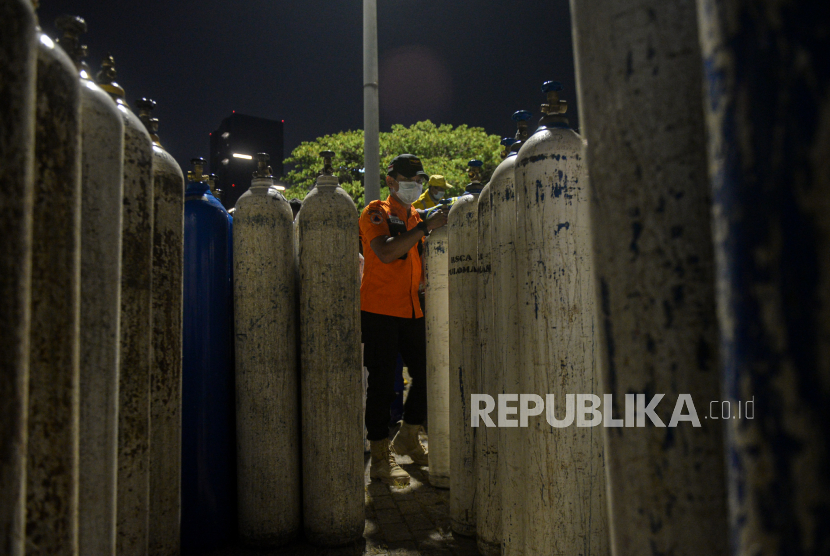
{"x": 768, "y": 99}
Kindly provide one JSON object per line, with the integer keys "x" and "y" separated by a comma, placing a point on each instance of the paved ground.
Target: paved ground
{"x": 413, "y": 521}
{"x": 399, "y": 522}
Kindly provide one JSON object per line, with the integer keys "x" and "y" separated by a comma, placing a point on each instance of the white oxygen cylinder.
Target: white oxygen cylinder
{"x": 497, "y": 481}
{"x": 505, "y": 334}
{"x": 267, "y": 383}
{"x": 331, "y": 377}
{"x": 166, "y": 371}
{"x": 136, "y": 326}
{"x": 18, "y": 63}
{"x": 102, "y": 135}
{"x": 488, "y": 487}
{"x": 654, "y": 213}
{"x": 52, "y": 465}
{"x": 564, "y": 475}
{"x": 462, "y": 232}
{"x": 436, "y": 312}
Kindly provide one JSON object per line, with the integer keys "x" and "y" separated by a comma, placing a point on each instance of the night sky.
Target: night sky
{"x": 453, "y": 62}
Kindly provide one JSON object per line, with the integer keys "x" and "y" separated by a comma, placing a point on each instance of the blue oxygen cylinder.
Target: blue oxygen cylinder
{"x": 208, "y": 401}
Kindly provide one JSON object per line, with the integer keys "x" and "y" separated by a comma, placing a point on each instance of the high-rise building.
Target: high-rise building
{"x": 233, "y": 148}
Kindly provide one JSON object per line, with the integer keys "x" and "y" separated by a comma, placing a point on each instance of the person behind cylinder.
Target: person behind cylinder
{"x": 436, "y": 190}
{"x": 296, "y": 205}
{"x": 391, "y": 234}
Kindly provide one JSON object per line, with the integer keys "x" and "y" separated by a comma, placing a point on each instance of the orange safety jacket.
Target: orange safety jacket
{"x": 390, "y": 288}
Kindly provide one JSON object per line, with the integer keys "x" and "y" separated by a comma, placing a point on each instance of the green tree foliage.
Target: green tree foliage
{"x": 443, "y": 149}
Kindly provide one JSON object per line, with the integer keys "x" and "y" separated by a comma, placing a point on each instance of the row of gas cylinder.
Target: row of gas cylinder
{"x": 254, "y": 294}
{"x": 708, "y": 235}
{"x": 509, "y": 309}
{"x": 122, "y": 369}
{"x": 91, "y": 307}
{"x": 694, "y": 264}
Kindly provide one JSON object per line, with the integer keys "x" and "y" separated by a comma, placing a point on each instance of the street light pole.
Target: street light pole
{"x": 371, "y": 125}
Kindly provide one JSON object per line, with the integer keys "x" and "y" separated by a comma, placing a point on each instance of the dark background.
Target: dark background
{"x": 448, "y": 61}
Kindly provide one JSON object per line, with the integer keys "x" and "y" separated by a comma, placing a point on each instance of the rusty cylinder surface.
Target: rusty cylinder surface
{"x": 767, "y": 70}
{"x": 136, "y": 339}
{"x": 267, "y": 395}
{"x": 462, "y": 232}
{"x": 504, "y": 344}
{"x": 18, "y": 70}
{"x": 654, "y": 269}
{"x": 102, "y": 149}
{"x": 436, "y": 312}
{"x": 564, "y": 473}
{"x": 488, "y": 488}
{"x": 331, "y": 384}
{"x": 52, "y": 467}
{"x": 166, "y": 369}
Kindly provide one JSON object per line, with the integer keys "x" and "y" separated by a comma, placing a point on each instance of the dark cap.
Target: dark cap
{"x": 407, "y": 165}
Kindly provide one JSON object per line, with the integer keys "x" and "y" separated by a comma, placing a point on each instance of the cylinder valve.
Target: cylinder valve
{"x": 263, "y": 169}
{"x": 73, "y": 26}
{"x": 506, "y": 142}
{"x": 145, "y": 107}
{"x": 474, "y": 170}
{"x": 326, "y": 177}
{"x": 553, "y": 105}
{"x": 198, "y": 167}
{"x": 327, "y": 170}
{"x": 521, "y": 118}
{"x": 106, "y": 79}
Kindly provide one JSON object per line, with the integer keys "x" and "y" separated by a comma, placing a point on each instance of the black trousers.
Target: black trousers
{"x": 384, "y": 337}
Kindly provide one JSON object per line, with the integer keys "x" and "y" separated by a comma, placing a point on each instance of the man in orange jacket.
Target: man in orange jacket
{"x": 391, "y": 233}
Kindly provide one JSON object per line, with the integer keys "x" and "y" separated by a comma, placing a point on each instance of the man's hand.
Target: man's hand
{"x": 438, "y": 218}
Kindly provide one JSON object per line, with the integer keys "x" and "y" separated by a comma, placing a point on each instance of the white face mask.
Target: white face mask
{"x": 409, "y": 191}
{"x": 438, "y": 194}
